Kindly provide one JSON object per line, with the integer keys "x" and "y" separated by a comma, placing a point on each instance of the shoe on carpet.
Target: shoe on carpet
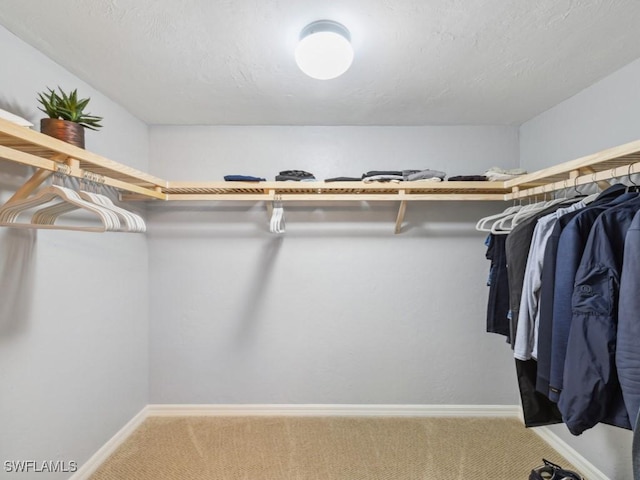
{"x": 550, "y": 471}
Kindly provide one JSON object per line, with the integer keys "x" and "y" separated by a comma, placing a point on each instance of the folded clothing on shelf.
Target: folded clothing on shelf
{"x": 497, "y": 174}
{"x": 295, "y": 176}
{"x": 403, "y": 175}
{"x": 343, "y": 179}
{"x": 428, "y": 179}
{"x": 384, "y": 178}
{"x": 377, "y": 173}
{"x": 15, "y": 119}
{"x": 242, "y": 178}
{"x": 413, "y": 175}
{"x": 468, "y": 178}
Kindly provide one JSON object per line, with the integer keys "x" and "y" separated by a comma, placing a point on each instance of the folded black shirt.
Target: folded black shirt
{"x": 343, "y": 179}
{"x": 468, "y": 178}
{"x": 374, "y": 173}
{"x": 297, "y": 173}
{"x": 242, "y": 178}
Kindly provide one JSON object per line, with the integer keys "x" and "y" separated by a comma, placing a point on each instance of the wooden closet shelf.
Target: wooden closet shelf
{"x": 28, "y": 147}
{"x": 25, "y": 146}
{"x": 604, "y": 161}
{"x": 321, "y": 191}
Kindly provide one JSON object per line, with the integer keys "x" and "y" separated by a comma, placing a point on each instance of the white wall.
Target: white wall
{"x": 604, "y": 115}
{"x": 337, "y": 310}
{"x": 73, "y": 306}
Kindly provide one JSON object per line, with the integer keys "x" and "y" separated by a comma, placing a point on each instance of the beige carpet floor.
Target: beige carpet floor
{"x": 328, "y": 448}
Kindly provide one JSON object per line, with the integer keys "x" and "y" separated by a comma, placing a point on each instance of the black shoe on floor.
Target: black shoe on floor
{"x": 551, "y": 471}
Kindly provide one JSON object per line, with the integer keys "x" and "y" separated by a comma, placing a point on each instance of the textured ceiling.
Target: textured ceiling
{"x": 417, "y": 62}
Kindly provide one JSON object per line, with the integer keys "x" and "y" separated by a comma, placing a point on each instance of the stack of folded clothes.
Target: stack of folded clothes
{"x": 295, "y": 176}
{"x": 383, "y": 176}
{"x": 404, "y": 175}
{"x": 497, "y": 174}
{"x": 423, "y": 175}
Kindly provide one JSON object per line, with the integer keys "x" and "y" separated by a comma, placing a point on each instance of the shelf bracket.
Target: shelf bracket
{"x": 269, "y": 203}
{"x": 401, "y": 211}
{"x": 515, "y": 193}
{"x": 40, "y": 175}
{"x": 34, "y": 182}
{"x": 602, "y": 184}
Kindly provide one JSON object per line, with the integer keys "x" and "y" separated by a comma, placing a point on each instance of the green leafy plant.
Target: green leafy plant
{"x": 68, "y": 107}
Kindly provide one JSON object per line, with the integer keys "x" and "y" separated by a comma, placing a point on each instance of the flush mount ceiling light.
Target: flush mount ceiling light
{"x": 325, "y": 50}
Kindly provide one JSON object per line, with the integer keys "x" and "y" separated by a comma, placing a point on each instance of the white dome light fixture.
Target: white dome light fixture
{"x": 325, "y": 50}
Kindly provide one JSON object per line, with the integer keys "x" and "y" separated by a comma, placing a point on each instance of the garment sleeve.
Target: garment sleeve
{"x": 570, "y": 248}
{"x": 527, "y": 337}
{"x": 528, "y": 302}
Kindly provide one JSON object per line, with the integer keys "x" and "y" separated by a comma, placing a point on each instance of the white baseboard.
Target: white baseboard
{"x": 167, "y": 410}
{"x": 336, "y": 410}
{"x": 91, "y": 465}
{"x": 585, "y": 467}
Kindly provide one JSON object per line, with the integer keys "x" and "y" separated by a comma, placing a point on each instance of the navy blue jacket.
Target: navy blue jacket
{"x": 498, "y": 304}
{"x": 627, "y": 351}
{"x": 591, "y": 391}
{"x": 545, "y": 324}
{"x": 571, "y": 245}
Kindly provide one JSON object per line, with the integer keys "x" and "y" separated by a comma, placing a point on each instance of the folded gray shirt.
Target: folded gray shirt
{"x": 424, "y": 174}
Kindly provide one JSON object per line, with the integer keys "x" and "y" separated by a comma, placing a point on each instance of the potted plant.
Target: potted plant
{"x": 67, "y": 119}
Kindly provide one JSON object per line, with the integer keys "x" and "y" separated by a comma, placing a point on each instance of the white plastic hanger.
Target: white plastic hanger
{"x": 503, "y": 226}
{"x": 484, "y": 224}
{"x": 116, "y": 218}
{"x": 277, "y": 224}
{"x": 66, "y": 200}
{"x": 537, "y": 208}
{"x": 49, "y": 215}
{"x": 132, "y": 221}
{"x": 10, "y": 213}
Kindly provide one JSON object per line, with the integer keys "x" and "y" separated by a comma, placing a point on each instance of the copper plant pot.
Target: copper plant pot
{"x": 64, "y": 130}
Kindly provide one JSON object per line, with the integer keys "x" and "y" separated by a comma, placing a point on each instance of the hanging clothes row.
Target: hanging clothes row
{"x": 563, "y": 289}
